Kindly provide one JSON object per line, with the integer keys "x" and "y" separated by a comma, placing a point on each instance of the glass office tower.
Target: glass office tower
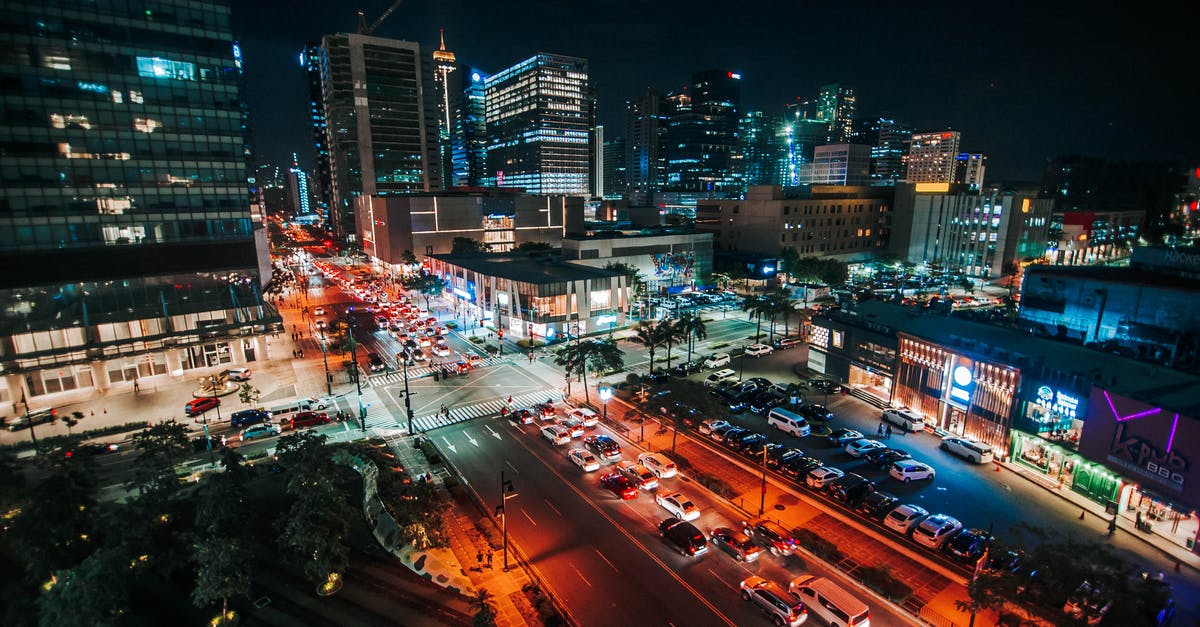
{"x": 125, "y": 224}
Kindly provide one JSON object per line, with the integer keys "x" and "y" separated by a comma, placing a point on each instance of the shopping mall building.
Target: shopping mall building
{"x": 1116, "y": 430}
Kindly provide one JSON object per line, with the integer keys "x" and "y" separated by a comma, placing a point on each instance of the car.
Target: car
{"x": 820, "y": 477}
{"x": 93, "y": 449}
{"x": 418, "y": 354}
{"x": 825, "y": 385}
{"x": 620, "y": 485}
{"x": 741, "y": 400}
{"x": 776, "y": 457}
{"x": 522, "y": 416}
{"x": 659, "y": 464}
{"x": 237, "y": 374}
{"x": 738, "y": 545}
{"x": 376, "y": 363}
{"x": 425, "y": 342}
{"x": 678, "y": 505}
{"x": 903, "y": 518}
{"x": 556, "y": 435}
{"x": 305, "y": 419}
{"x": 684, "y": 535}
{"x": 717, "y": 360}
{"x": 906, "y": 419}
{"x": 441, "y": 350}
{"x": 862, "y": 446}
{"x": 321, "y": 325}
{"x": 574, "y": 426}
{"x": 733, "y": 434}
{"x": 718, "y": 433}
{"x": 260, "y": 431}
{"x": 584, "y": 459}
{"x": 841, "y": 437}
{"x": 720, "y": 376}
{"x": 883, "y": 457}
{"x": 787, "y": 342}
{"x": 770, "y": 536}
{"x": 1003, "y": 561}
{"x": 546, "y": 411}
{"x": 749, "y": 442}
{"x": 782, "y": 606}
{"x": 247, "y": 417}
{"x": 604, "y": 447}
{"x": 876, "y": 504}
{"x": 685, "y": 368}
{"x": 475, "y": 361}
{"x": 758, "y": 350}
{"x": 708, "y": 426}
{"x": 585, "y": 416}
{"x": 971, "y": 450}
{"x": 935, "y": 530}
{"x": 760, "y": 449}
{"x": 798, "y": 467}
{"x": 816, "y": 412}
{"x": 763, "y": 401}
{"x": 907, "y": 470}
{"x": 968, "y": 545}
{"x": 850, "y": 488}
{"x": 638, "y": 474}
{"x": 198, "y": 406}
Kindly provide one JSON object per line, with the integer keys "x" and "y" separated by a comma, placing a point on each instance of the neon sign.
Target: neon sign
{"x": 1057, "y": 401}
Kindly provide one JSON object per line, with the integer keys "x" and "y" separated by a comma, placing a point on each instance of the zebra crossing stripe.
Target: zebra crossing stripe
{"x": 461, "y": 414}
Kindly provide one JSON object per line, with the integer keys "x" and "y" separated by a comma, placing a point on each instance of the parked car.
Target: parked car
{"x": 237, "y": 374}
{"x": 850, "y": 488}
{"x": 770, "y": 536}
{"x": 935, "y": 530}
{"x": 799, "y": 467}
{"x": 620, "y": 485}
{"x": 718, "y": 433}
{"x": 842, "y": 437}
{"x": 907, "y": 470}
{"x": 903, "y": 518}
{"x": 584, "y": 459}
{"x": 707, "y": 426}
{"x": 719, "y": 376}
{"x": 820, "y": 477}
{"x": 678, "y": 505}
{"x": 638, "y": 474}
{"x": 816, "y": 412}
{"x": 782, "y": 606}
{"x": 779, "y": 456}
{"x": 198, "y": 406}
{"x": 876, "y": 504}
{"x": 968, "y": 449}
{"x": 686, "y": 368}
{"x": 906, "y": 419}
{"x": 684, "y": 535}
{"x": 659, "y": 464}
{"x": 260, "y": 431}
{"x": 825, "y": 385}
{"x": 738, "y": 545}
{"x": 748, "y": 441}
{"x": 574, "y": 426}
{"x": 787, "y": 342}
{"x": 968, "y": 545}
{"x": 883, "y": 457}
{"x": 758, "y": 350}
{"x": 862, "y": 446}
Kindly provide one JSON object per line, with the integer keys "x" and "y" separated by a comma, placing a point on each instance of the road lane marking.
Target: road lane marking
{"x": 513, "y": 467}
{"x": 470, "y": 439}
{"x": 531, "y": 520}
{"x": 449, "y": 445}
{"x": 489, "y": 429}
{"x": 610, "y": 564}
{"x": 552, "y": 507}
{"x": 723, "y": 582}
{"x": 580, "y": 574}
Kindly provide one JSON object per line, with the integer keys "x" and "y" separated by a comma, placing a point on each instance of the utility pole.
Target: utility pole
{"x": 407, "y": 403}
{"x": 362, "y": 411}
{"x": 762, "y": 498}
{"x": 506, "y": 492}
{"x": 325, "y": 361}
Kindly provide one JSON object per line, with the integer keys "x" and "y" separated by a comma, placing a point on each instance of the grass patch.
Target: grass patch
{"x": 719, "y": 346}
{"x": 718, "y": 485}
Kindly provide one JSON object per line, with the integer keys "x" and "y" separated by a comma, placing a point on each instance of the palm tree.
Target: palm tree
{"x": 775, "y": 304}
{"x": 485, "y": 614}
{"x": 572, "y": 359}
{"x": 605, "y": 357}
{"x": 648, "y": 335}
{"x": 671, "y": 332}
{"x": 598, "y": 355}
{"x": 754, "y": 305}
{"x": 693, "y": 328}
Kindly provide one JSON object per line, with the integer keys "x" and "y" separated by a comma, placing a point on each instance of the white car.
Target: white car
{"x": 585, "y": 415}
{"x": 659, "y": 464}
{"x": 758, "y": 350}
{"x": 638, "y": 474}
{"x": 238, "y": 374}
{"x": 934, "y": 531}
{"x": 906, "y": 419}
{"x": 441, "y": 350}
{"x": 319, "y": 311}
{"x": 425, "y": 342}
{"x": 716, "y": 360}
{"x": 708, "y": 426}
{"x": 719, "y": 377}
{"x": 679, "y": 505}
{"x": 556, "y": 435}
{"x": 908, "y": 469}
{"x": 862, "y": 446}
{"x": 821, "y": 476}
{"x": 320, "y": 324}
{"x": 971, "y": 450}
{"x": 574, "y": 426}
{"x": 904, "y": 518}
{"x": 584, "y": 459}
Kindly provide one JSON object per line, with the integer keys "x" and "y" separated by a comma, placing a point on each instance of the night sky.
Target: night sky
{"x": 1022, "y": 81}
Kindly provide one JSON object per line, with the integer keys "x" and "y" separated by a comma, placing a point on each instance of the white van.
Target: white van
{"x": 906, "y": 419}
{"x": 789, "y": 421}
{"x": 299, "y": 405}
{"x": 831, "y": 602}
{"x": 720, "y": 376}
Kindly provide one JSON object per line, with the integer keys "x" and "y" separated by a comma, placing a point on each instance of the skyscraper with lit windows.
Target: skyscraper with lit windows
{"x": 444, "y": 65}
{"x": 469, "y": 137}
{"x": 932, "y": 157}
{"x": 310, "y": 60}
{"x": 125, "y": 215}
{"x": 704, "y": 156}
{"x": 837, "y": 106}
{"x": 540, "y": 116}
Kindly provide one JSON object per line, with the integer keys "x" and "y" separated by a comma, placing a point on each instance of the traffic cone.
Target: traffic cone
{"x": 1081, "y": 513}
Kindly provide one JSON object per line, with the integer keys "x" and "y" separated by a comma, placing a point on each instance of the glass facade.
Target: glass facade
{"x": 703, "y": 152}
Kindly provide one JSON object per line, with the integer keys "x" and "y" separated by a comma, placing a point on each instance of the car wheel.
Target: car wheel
{"x": 745, "y": 595}
{"x": 739, "y": 558}
{"x": 974, "y": 460}
{"x": 778, "y": 621}
{"x": 907, "y": 479}
{"x": 944, "y": 447}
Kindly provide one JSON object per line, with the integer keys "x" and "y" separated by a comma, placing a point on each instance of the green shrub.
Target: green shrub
{"x": 719, "y": 346}
{"x": 59, "y": 440}
{"x": 476, "y": 339}
{"x": 680, "y": 461}
{"x": 491, "y": 350}
{"x": 823, "y": 548}
{"x": 882, "y": 581}
{"x": 429, "y": 450}
{"x": 633, "y": 378}
{"x": 451, "y": 325}
{"x": 718, "y": 485}
{"x": 528, "y": 343}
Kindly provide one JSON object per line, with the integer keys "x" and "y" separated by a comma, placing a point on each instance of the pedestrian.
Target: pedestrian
{"x": 504, "y": 413}
{"x": 510, "y": 400}
{"x": 489, "y": 561}
{"x": 887, "y": 434}
{"x": 1112, "y": 525}
{"x": 137, "y": 388}
{"x": 479, "y": 557}
{"x": 302, "y": 353}
{"x": 879, "y": 429}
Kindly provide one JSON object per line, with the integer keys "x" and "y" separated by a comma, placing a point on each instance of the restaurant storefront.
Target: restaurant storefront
{"x": 861, "y": 356}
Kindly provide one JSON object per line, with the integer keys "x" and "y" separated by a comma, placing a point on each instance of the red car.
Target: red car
{"x": 619, "y": 485}
{"x": 198, "y": 406}
{"x": 307, "y": 419}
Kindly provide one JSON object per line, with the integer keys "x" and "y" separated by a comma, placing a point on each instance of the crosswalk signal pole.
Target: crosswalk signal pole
{"x": 506, "y": 492}
{"x": 407, "y": 395}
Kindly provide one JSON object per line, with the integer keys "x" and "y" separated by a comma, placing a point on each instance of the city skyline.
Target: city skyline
{"x": 1027, "y": 96}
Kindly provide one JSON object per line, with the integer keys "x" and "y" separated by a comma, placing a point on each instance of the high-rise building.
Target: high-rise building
{"x": 310, "y": 60}
{"x": 837, "y": 107}
{"x": 802, "y": 134}
{"x": 969, "y": 169}
{"x": 838, "y": 164}
{"x": 764, "y": 148}
{"x": 646, "y": 145}
{"x": 931, "y": 157}
{"x": 469, "y": 140}
{"x": 298, "y": 189}
{"x": 381, "y": 121}
{"x": 133, "y": 254}
{"x": 597, "y": 174}
{"x": 540, "y": 115}
{"x": 615, "y": 185}
{"x": 889, "y": 141}
{"x": 447, "y": 100}
{"x": 703, "y": 155}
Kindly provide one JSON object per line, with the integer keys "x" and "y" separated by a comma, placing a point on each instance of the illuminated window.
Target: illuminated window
{"x": 157, "y": 67}
{"x": 118, "y": 97}
{"x": 600, "y": 299}
{"x": 56, "y": 60}
{"x": 57, "y": 120}
{"x": 146, "y": 125}
{"x": 136, "y": 97}
{"x": 838, "y": 338}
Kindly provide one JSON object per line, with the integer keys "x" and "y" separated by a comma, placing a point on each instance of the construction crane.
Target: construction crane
{"x": 363, "y": 29}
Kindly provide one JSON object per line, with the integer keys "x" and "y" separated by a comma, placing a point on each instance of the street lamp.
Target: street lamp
{"x": 325, "y": 360}
{"x": 506, "y": 492}
{"x": 762, "y": 498}
{"x": 403, "y": 359}
{"x": 606, "y": 393}
{"x": 362, "y": 411}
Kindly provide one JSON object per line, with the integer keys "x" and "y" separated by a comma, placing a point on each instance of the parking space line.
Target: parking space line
{"x": 580, "y": 574}
{"x": 610, "y": 564}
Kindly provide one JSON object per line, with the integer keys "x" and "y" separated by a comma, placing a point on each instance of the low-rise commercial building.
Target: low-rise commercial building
{"x": 1087, "y": 237}
{"x": 670, "y": 260}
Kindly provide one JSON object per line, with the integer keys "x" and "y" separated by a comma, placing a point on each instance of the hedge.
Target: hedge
{"x": 716, "y": 484}
{"x": 823, "y": 548}
{"x": 56, "y": 440}
{"x": 882, "y": 581}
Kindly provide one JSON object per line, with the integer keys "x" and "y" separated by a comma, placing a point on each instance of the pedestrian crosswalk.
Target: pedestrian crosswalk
{"x": 486, "y": 408}
{"x": 416, "y": 372}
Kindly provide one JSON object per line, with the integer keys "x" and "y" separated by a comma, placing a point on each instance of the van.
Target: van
{"x": 906, "y": 419}
{"x": 788, "y": 342}
{"x": 298, "y": 405}
{"x": 789, "y": 421}
{"x": 35, "y": 417}
{"x": 719, "y": 377}
{"x": 831, "y": 602}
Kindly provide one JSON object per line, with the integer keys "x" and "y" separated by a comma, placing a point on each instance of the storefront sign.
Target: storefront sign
{"x": 606, "y": 319}
{"x": 1056, "y": 401}
{"x": 1142, "y": 456}
{"x": 962, "y": 383}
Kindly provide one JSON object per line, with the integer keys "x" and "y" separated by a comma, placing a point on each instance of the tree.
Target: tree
{"x": 1011, "y": 269}
{"x": 693, "y": 328}
{"x": 312, "y": 532}
{"x": 787, "y": 260}
{"x": 94, "y": 592}
{"x": 429, "y": 285}
{"x": 159, "y": 448}
{"x": 597, "y": 355}
{"x": 466, "y": 245}
{"x": 773, "y": 305}
{"x": 248, "y": 394}
{"x": 671, "y": 333}
{"x": 529, "y": 247}
{"x": 605, "y": 357}
{"x": 408, "y": 258}
{"x": 485, "y": 614}
{"x": 755, "y": 305}
{"x": 833, "y": 272}
{"x": 647, "y": 334}
{"x": 54, "y": 526}
{"x": 221, "y": 541}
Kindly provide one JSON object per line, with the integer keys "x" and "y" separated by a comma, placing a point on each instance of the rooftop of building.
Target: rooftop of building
{"x": 537, "y": 268}
{"x": 1132, "y": 276}
{"x": 1149, "y": 383}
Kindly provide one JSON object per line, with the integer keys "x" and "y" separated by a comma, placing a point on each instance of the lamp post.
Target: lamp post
{"x": 212, "y": 386}
{"x": 325, "y": 361}
{"x": 362, "y": 411}
{"x": 762, "y": 498}
{"x": 403, "y": 359}
{"x": 506, "y": 492}
{"x": 606, "y": 393}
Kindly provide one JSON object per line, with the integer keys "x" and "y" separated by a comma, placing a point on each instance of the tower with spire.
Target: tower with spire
{"x": 444, "y": 65}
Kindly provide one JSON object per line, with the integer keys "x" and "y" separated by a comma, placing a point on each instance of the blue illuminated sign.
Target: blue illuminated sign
{"x": 962, "y": 383}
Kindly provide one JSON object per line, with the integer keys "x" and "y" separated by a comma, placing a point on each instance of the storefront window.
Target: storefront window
{"x": 877, "y": 384}
{"x": 1054, "y": 415}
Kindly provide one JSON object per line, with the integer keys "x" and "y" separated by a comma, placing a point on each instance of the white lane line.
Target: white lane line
{"x": 531, "y": 520}
{"x": 610, "y": 564}
{"x": 723, "y": 582}
{"x": 580, "y": 574}
{"x": 513, "y": 467}
{"x": 552, "y": 507}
